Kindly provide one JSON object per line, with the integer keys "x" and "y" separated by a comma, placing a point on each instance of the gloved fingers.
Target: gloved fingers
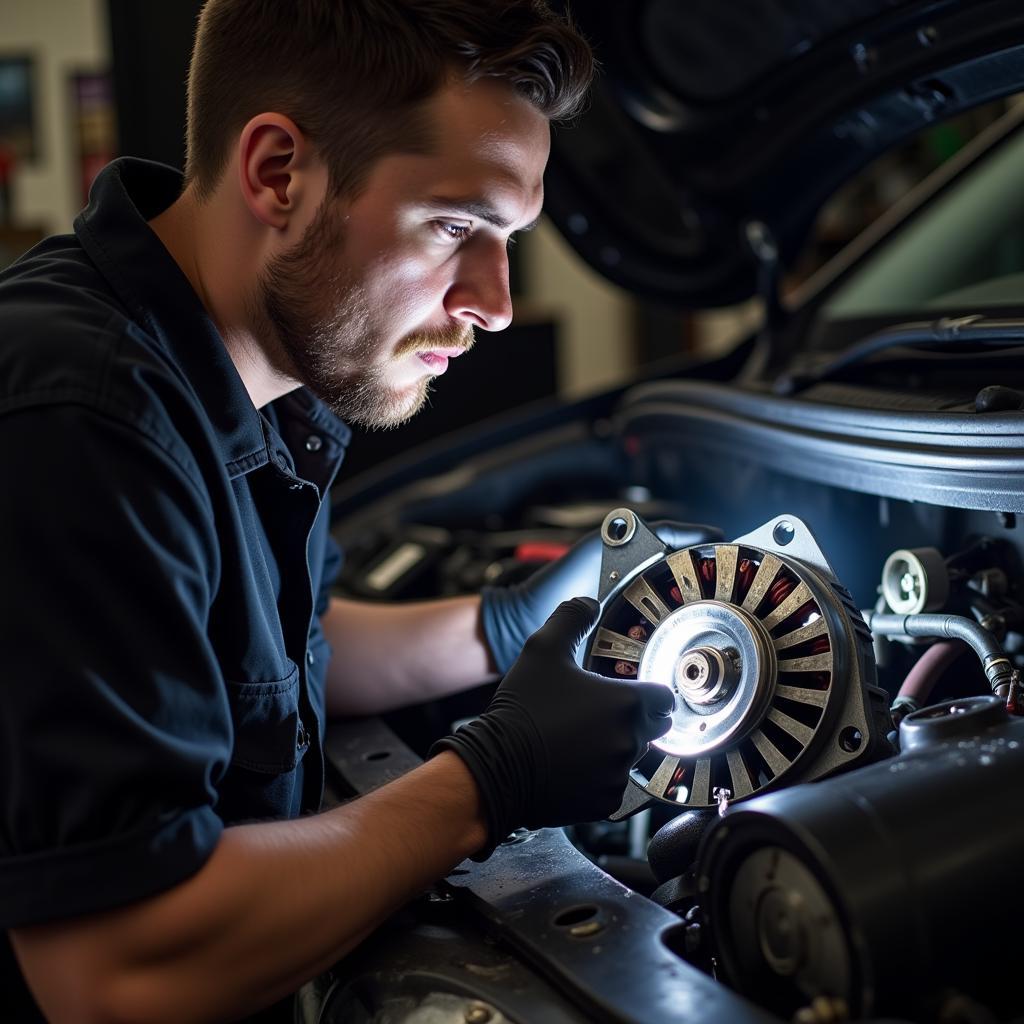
{"x": 611, "y": 799}
{"x": 657, "y": 704}
{"x": 566, "y": 626}
{"x": 684, "y": 535}
{"x": 588, "y": 804}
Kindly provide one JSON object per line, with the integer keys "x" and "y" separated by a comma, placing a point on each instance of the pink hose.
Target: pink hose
{"x": 928, "y": 669}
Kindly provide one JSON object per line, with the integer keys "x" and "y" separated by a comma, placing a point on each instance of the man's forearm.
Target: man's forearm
{"x": 275, "y": 904}
{"x": 386, "y": 656}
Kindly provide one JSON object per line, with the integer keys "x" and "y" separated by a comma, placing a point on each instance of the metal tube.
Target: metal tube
{"x": 990, "y": 652}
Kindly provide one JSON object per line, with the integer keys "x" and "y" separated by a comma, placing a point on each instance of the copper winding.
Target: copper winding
{"x": 677, "y": 778}
{"x": 807, "y": 680}
{"x": 745, "y": 573}
{"x": 706, "y": 569}
{"x": 780, "y": 590}
{"x": 819, "y": 645}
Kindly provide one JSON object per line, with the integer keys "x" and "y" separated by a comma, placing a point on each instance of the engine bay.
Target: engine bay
{"x": 828, "y": 830}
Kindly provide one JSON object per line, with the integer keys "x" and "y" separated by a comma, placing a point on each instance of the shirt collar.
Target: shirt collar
{"x": 113, "y": 230}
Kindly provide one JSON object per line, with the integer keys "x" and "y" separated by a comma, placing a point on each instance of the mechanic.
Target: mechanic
{"x": 172, "y": 376}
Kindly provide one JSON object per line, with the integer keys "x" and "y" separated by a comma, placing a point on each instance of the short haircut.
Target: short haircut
{"x": 353, "y": 74}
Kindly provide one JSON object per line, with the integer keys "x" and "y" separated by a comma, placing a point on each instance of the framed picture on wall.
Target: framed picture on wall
{"x": 94, "y": 125}
{"x": 19, "y": 139}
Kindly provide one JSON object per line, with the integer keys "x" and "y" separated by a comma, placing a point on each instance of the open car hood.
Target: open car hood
{"x": 716, "y": 131}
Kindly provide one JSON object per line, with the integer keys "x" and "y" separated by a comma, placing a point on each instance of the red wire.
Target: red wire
{"x": 707, "y": 569}
{"x": 780, "y": 590}
{"x": 745, "y": 573}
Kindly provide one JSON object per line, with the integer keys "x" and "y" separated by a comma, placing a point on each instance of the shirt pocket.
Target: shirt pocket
{"x": 269, "y": 735}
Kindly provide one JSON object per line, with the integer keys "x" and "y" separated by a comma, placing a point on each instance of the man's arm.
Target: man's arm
{"x": 386, "y": 656}
{"x": 277, "y": 903}
{"x": 389, "y": 655}
{"x": 274, "y": 905}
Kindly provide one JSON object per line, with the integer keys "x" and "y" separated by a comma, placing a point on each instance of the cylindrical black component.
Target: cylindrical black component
{"x": 883, "y": 885}
{"x": 674, "y": 846}
{"x": 997, "y": 398}
{"x": 955, "y": 720}
{"x": 677, "y": 894}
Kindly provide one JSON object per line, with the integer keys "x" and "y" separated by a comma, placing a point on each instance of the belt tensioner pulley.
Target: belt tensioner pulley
{"x": 769, "y": 662}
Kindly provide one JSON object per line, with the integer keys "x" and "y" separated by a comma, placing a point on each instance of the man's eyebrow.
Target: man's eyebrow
{"x": 478, "y": 208}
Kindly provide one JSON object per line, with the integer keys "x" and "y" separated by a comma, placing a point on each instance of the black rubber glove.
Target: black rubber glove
{"x": 510, "y": 614}
{"x": 556, "y": 743}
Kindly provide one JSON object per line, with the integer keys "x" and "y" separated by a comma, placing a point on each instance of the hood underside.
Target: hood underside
{"x": 716, "y": 131}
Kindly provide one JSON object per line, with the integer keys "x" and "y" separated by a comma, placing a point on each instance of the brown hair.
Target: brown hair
{"x": 353, "y": 74}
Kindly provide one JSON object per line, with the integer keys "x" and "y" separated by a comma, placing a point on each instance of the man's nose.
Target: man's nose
{"x": 479, "y": 295}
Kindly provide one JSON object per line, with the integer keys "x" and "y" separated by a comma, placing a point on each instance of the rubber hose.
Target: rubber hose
{"x": 928, "y": 669}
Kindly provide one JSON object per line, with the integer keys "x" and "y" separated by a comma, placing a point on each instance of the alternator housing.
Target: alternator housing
{"x": 770, "y": 663}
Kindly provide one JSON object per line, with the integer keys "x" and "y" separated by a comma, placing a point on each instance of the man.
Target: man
{"x": 356, "y": 169}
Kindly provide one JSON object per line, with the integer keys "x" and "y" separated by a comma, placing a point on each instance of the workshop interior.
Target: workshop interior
{"x": 778, "y": 294}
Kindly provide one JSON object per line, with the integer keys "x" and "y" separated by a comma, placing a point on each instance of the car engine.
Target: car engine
{"x": 773, "y": 672}
{"x": 828, "y": 831}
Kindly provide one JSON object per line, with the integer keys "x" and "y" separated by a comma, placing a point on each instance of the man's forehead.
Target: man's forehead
{"x": 488, "y": 164}
{"x": 487, "y": 110}
{"x": 491, "y": 127}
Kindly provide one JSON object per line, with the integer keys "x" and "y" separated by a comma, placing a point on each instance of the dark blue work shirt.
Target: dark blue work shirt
{"x": 165, "y": 558}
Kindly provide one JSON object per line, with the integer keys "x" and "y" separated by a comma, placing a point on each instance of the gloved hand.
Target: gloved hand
{"x": 556, "y": 743}
{"x": 510, "y": 614}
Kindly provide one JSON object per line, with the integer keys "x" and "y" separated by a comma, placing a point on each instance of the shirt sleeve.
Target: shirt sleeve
{"x": 115, "y": 726}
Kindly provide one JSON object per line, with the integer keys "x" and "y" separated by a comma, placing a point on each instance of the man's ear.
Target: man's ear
{"x": 276, "y": 170}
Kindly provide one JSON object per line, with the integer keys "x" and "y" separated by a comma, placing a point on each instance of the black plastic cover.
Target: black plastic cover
{"x": 719, "y": 129}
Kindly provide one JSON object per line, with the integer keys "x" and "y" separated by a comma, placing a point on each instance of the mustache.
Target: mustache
{"x": 455, "y": 335}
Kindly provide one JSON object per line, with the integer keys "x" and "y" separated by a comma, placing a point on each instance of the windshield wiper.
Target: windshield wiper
{"x": 970, "y": 330}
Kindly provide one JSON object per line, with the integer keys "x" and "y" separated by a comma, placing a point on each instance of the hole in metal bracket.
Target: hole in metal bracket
{"x": 618, "y": 527}
{"x": 783, "y": 533}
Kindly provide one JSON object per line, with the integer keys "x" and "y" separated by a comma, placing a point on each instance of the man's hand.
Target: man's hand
{"x": 511, "y": 614}
{"x": 556, "y": 743}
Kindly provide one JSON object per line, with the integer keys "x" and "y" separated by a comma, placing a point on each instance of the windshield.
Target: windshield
{"x": 963, "y": 253}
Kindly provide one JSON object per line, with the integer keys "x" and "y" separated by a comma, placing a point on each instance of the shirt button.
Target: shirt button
{"x": 309, "y": 658}
{"x": 314, "y": 443}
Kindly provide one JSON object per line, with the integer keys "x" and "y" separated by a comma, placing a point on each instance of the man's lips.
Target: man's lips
{"x": 437, "y": 358}
{"x": 448, "y": 353}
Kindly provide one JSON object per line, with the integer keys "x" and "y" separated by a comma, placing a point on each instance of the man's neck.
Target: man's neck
{"x": 204, "y": 242}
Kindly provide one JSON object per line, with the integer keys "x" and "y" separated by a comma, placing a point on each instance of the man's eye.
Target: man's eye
{"x": 457, "y": 232}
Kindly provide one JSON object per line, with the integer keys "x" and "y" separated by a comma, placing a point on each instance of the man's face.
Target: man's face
{"x": 384, "y": 289}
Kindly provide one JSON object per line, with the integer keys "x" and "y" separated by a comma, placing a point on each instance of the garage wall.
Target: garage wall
{"x": 63, "y": 36}
{"x": 595, "y": 318}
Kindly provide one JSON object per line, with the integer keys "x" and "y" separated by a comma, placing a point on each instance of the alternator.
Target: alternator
{"x": 769, "y": 661}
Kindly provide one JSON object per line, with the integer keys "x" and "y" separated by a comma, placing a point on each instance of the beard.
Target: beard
{"x": 335, "y": 349}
